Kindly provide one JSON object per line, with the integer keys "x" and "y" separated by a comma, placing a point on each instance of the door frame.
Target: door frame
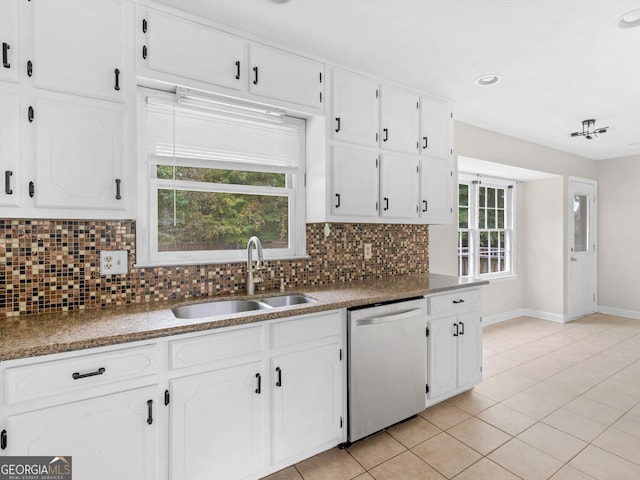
{"x": 593, "y": 240}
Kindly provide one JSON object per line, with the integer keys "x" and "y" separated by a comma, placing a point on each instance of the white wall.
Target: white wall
{"x": 505, "y": 297}
{"x": 619, "y": 235}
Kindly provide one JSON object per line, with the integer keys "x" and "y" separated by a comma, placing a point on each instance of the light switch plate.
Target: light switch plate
{"x": 113, "y": 262}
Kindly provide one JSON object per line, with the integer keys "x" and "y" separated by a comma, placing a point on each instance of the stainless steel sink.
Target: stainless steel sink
{"x": 217, "y": 308}
{"x": 287, "y": 300}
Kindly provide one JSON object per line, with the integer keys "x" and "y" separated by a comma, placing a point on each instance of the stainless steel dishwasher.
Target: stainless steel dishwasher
{"x": 387, "y": 362}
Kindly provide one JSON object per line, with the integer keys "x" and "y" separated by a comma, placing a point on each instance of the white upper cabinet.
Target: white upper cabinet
{"x": 80, "y": 48}
{"x": 79, "y": 154}
{"x": 436, "y": 190}
{"x": 283, "y": 76}
{"x": 399, "y": 184}
{"x": 9, "y": 148}
{"x": 191, "y": 51}
{"x": 398, "y": 120}
{"x": 9, "y": 40}
{"x": 355, "y": 108}
{"x": 355, "y": 181}
{"x": 436, "y": 128}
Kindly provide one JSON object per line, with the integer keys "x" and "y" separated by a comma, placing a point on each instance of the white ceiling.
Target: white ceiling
{"x": 561, "y": 61}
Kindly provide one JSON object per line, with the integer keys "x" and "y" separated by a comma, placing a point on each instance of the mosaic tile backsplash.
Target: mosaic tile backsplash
{"x": 53, "y": 265}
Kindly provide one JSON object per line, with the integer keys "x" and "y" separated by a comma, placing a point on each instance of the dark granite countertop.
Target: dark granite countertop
{"x": 34, "y": 335}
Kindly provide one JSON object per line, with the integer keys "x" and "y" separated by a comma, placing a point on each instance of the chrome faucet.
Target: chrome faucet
{"x": 251, "y": 282}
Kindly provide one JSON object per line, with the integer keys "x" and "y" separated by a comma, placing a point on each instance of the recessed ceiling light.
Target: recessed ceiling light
{"x": 486, "y": 80}
{"x": 278, "y": 1}
{"x": 630, "y": 19}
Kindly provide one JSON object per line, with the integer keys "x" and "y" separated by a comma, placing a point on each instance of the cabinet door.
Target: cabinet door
{"x": 79, "y": 154}
{"x": 9, "y": 40}
{"x": 284, "y": 76}
{"x": 436, "y": 128}
{"x": 398, "y": 120}
{"x": 436, "y": 190}
{"x": 107, "y": 437}
{"x": 9, "y": 150}
{"x": 442, "y": 360}
{"x": 190, "y": 50}
{"x": 80, "y": 49}
{"x": 217, "y": 424}
{"x": 399, "y": 182}
{"x": 355, "y": 109}
{"x": 354, "y": 180}
{"x": 307, "y": 400}
{"x": 469, "y": 349}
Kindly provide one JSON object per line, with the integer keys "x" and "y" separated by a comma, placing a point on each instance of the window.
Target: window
{"x": 485, "y": 228}
{"x": 215, "y": 178}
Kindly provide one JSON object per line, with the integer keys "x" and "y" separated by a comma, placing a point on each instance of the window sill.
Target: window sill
{"x": 214, "y": 262}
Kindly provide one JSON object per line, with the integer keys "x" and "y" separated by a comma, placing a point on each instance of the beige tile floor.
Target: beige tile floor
{"x": 558, "y": 401}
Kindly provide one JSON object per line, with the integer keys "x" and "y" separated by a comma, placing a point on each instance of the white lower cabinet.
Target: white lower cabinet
{"x": 217, "y": 424}
{"x": 454, "y": 344}
{"x": 107, "y": 437}
{"x": 307, "y": 400}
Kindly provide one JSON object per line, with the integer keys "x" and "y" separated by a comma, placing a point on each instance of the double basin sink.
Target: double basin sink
{"x": 227, "y": 307}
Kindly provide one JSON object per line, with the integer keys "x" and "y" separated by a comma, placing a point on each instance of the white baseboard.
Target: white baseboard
{"x": 619, "y": 312}
{"x": 524, "y": 312}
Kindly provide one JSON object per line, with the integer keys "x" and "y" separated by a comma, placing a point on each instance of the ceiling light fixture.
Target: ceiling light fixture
{"x": 489, "y": 79}
{"x": 587, "y": 132}
{"x": 630, "y": 19}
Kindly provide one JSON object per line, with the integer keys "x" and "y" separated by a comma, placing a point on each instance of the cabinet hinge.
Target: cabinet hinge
{"x": 340, "y": 354}
{"x": 341, "y": 422}
{"x": 167, "y": 397}
{"x": 480, "y": 367}
{"x": 451, "y": 114}
{"x": 144, "y": 52}
{"x": 480, "y": 319}
{"x": 3, "y": 439}
{"x": 320, "y": 97}
{"x": 428, "y": 331}
{"x": 144, "y": 25}
{"x": 320, "y": 77}
{"x": 451, "y": 172}
{"x": 426, "y": 390}
{"x": 305, "y": 179}
{"x": 29, "y": 68}
{"x": 377, "y": 93}
{"x": 376, "y": 162}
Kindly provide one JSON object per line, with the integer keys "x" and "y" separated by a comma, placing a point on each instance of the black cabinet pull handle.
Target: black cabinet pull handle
{"x": 167, "y": 397}
{"x": 78, "y": 375}
{"x": 255, "y": 75}
{"x": 29, "y": 68}
{"x": 456, "y": 334}
{"x": 3, "y": 439}
{"x": 338, "y": 197}
{"x": 117, "y": 74}
{"x": 118, "y": 182}
{"x": 459, "y": 301}
{"x": 144, "y": 52}
{"x": 461, "y": 328}
{"x": 30, "y": 114}
{"x": 338, "y": 126}
{"x": 279, "y": 372}
{"x": 32, "y": 189}
{"x": 386, "y": 134}
{"x": 238, "y": 70}
{"x": 144, "y": 25}
{"x": 5, "y": 55}
{"x": 426, "y": 205}
{"x": 259, "y": 389}
{"x": 386, "y": 203}
{"x": 426, "y": 142}
{"x": 149, "y": 412}
{"x": 7, "y": 182}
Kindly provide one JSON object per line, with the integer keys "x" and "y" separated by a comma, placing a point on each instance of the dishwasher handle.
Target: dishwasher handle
{"x": 388, "y": 318}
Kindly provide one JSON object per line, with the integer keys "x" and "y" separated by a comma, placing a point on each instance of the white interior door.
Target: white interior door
{"x": 582, "y": 259}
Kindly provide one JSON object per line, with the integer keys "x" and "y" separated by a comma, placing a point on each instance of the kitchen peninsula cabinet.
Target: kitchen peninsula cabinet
{"x": 454, "y": 344}
{"x": 9, "y": 33}
{"x": 355, "y": 105}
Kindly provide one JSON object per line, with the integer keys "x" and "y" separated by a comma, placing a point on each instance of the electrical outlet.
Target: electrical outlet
{"x": 113, "y": 262}
{"x": 367, "y": 251}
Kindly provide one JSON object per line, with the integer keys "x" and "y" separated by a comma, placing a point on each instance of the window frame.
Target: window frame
{"x": 148, "y": 255}
{"x": 474, "y": 182}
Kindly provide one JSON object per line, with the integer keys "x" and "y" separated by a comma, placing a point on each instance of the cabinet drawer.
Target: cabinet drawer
{"x": 214, "y": 347}
{"x": 306, "y": 329}
{"x": 453, "y": 302}
{"x": 51, "y": 378}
